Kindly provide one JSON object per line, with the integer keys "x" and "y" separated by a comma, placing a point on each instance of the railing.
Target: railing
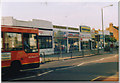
{"x": 74, "y": 54}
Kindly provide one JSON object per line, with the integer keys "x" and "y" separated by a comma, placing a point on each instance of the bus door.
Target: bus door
{"x": 30, "y": 44}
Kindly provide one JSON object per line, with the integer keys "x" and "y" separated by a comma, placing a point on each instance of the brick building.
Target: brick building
{"x": 114, "y": 30}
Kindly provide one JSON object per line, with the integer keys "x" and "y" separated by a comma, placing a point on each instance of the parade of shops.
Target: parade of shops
{"x": 55, "y": 38}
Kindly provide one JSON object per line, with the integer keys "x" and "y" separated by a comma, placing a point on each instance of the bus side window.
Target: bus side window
{"x": 25, "y": 42}
{"x": 30, "y": 42}
{"x": 13, "y": 41}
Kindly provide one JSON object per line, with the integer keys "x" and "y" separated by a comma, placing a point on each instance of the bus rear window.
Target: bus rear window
{"x": 13, "y": 41}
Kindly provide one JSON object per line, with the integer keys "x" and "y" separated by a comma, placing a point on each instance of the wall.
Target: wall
{"x": 34, "y": 23}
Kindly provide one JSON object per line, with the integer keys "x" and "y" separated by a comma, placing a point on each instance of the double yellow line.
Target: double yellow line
{"x": 99, "y": 77}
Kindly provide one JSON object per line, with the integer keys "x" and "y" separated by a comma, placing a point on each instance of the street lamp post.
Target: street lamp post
{"x": 103, "y": 25}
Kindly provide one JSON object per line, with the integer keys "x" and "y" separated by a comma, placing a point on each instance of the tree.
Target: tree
{"x": 112, "y": 39}
{"x": 107, "y": 38}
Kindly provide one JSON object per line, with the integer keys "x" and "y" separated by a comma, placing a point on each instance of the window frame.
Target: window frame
{"x": 2, "y": 41}
{"x": 43, "y": 42}
{"x": 36, "y": 42}
{"x": 3, "y": 34}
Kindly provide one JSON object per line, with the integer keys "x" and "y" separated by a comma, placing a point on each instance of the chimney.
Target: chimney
{"x": 111, "y": 24}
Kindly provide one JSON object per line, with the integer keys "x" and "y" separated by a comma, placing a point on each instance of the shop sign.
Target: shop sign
{"x": 92, "y": 31}
{"x": 59, "y": 27}
{"x": 43, "y": 32}
{"x": 61, "y": 38}
{"x": 96, "y": 31}
{"x": 85, "y": 37}
{"x": 73, "y": 34}
{"x": 101, "y": 36}
{"x": 100, "y": 32}
{"x": 84, "y": 29}
{"x": 59, "y": 33}
{"x": 93, "y": 35}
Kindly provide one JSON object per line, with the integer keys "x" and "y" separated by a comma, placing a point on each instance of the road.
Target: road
{"x": 78, "y": 69}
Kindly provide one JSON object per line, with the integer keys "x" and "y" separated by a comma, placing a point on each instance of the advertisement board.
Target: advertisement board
{"x": 92, "y": 35}
{"x": 85, "y": 37}
{"x": 44, "y": 32}
{"x": 73, "y": 34}
{"x": 84, "y": 29}
{"x": 59, "y": 33}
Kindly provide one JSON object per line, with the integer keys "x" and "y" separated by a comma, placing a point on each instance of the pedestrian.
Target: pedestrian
{"x": 111, "y": 46}
{"x": 26, "y": 45}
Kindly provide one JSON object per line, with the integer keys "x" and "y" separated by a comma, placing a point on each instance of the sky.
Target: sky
{"x": 69, "y": 13}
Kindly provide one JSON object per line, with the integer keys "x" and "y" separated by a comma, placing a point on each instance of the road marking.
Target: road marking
{"x": 95, "y": 60}
{"x": 24, "y": 78}
{"x": 96, "y": 78}
{"x": 34, "y": 75}
{"x": 66, "y": 68}
{"x": 80, "y": 64}
{"x": 102, "y": 59}
{"x": 45, "y": 73}
{"x": 30, "y": 69}
{"x": 116, "y": 55}
{"x": 42, "y": 73}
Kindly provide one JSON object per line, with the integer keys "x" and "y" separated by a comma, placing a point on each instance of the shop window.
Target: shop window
{"x": 60, "y": 45}
{"x": 45, "y": 42}
{"x": 85, "y": 45}
{"x": 73, "y": 44}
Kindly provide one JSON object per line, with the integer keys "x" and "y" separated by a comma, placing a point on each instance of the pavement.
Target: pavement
{"x": 110, "y": 78}
{"x": 66, "y": 56}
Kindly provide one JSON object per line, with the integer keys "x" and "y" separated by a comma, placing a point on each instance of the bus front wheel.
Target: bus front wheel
{"x": 15, "y": 67}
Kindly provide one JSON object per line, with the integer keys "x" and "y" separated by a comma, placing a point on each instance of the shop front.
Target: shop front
{"x": 93, "y": 42}
{"x": 73, "y": 41}
{"x": 46, "y": 41}
{"x": 85, "y": 41}
{"x": 85, "y": 36}
{"x": 60, "y": 42}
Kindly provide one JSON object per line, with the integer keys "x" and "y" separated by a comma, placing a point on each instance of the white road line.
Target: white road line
{"x": 24, "y": 78}
{"x": 66, "y": 68}
{"x": 34, "y": 75}
{"x": 102, "y": 58}
{"x": 116, "y": 55}
{"x": 42, "y": 73}
{"x": 45, "y": 73}
{"x": 80, "y": 64}
{"x": 30, "y": 69}
{"x": 95, "y": 60}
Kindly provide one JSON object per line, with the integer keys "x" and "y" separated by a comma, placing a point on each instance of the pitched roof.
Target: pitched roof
{"x": 116, "y": 27}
